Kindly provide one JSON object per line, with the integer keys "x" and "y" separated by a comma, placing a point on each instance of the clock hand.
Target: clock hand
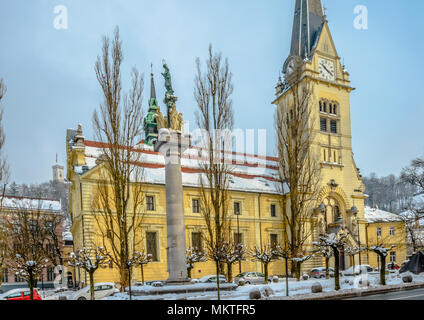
{"x": 327, "y": 70}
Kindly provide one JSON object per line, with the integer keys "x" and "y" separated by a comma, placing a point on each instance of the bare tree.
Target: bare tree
{"x": 194, "y": 255}
{"x": 413, "y": 217}
{"x": 283, "y": 253}
{"x": 299, "y": 167}
{"x": 142, "y": 258}
{"x": 336, "y": 242}
{"x": 214, "y": 117}
{"x": 118, "y": 126}
{"x": 4, "y": 167}
{"x": 232, "y": 253}
{"x": 27, "y": 239}
{"x": 299, "y": 260}
{"x": 264, "y": 255}
{"x": 325, "y": 251}
{"x": 90, "y": 260}
{"x": 382, "y": 252}
{"x": 3, "y": 247}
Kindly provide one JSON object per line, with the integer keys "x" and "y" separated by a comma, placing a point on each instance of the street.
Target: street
{"x": 417, "y": 294}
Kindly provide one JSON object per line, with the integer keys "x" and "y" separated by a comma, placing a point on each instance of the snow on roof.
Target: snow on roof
{"x": 248, "y": 172}
{"x": 377, "y": 215}
{"x": 26, "y": 203}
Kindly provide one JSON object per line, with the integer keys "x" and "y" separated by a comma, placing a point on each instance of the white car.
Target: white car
{"x": 101, "y": 290}
{"x": 364, "y": 268}
{"x": 212, "y": 279}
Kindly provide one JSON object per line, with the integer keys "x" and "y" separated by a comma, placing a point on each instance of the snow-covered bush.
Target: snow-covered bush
{"x": 194, "y": 255}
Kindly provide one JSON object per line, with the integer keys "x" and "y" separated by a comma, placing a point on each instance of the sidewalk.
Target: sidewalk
{"x": 352, "y": 293}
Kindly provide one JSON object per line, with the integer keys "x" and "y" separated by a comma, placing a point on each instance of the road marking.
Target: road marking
{"x": 407, "y": 297}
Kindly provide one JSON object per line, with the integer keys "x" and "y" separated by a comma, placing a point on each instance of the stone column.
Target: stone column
{"x": 171, "y": 144}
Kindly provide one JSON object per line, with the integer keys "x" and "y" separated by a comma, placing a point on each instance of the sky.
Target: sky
{"x": 51, "y": 84}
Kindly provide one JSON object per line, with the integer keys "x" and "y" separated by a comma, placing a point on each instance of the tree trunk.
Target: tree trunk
{"x": 217, "y": 280}
{"x": 298, "y": 266}
{"x": 91, "y": 274}
{"x": 189, "y": 272}
{"x": 31, "y": 286}
{"x": 124, "y": 278}
{"x": 129, "y": 281}
{"x": 383, "y": 270}
{"x": 327, "y": 269}
{"x": 336, "y": 269}
{"x": 230, "y": 272}
{"x": 353, "y": 258}
{"x": 266, "y": 272}
{"x": 287, "y": 277}
{"x": 142, "y": 274}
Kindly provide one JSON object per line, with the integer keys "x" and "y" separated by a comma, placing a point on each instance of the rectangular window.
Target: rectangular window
{"x": 196, "y": 240}
{"x": 273, "y": 210}
{"x": 393, "y": 256}
{"x": 19, "y": 279}
{"x": 195, "y": 205}
{"x": 152, "y": 245}
{"x": 333, "y": 126}
{"x": 5, "y": 275}
{"x": 150, "y": 203}
{"x": 49, "y": 226}
{"x": 274, "y": 240}
{"x": 33, "y": 225}
{"x": 238, "y": 238}
{"x": 392, "y": 231}
{"x": 50, "y": 274}
{"x": 237, "y": 210}
{"x": 323, "y": 125}
{"x": 378, "y": 232}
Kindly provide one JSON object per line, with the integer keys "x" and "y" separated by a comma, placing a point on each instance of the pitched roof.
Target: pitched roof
{"x": 307, "y": 25}
{"x": 373, "y": 215}
{"x": 252, "y": 173}
{"x": 27, "y": 203}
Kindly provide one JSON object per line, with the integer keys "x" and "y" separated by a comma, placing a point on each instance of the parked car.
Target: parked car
{"x": 392, "y": 266}
{"x": 101, "y": 290}
{"x": 212, "y": 279}
{"x": 320, "y": 272}
{"x": 364, "y": 268}
{"x": 155, "y": 283}
{"x": 252, "y": 278}
{"x": 20, "y": 294}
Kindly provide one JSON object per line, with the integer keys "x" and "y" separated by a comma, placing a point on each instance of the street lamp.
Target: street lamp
{"x": 237, "y": 213}
{"x": 355, "y": 212}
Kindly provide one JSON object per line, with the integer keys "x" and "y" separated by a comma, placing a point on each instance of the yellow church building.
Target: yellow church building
{"x": 255, "y": 198}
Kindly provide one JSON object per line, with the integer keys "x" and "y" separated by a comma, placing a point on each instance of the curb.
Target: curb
{"x": 364, "y": 293}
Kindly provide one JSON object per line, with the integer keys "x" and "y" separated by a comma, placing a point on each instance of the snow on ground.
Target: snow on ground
{"x": 296, "y": 288}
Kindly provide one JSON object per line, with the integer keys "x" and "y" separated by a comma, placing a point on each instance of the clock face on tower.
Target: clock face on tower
{"x": 326, "y": 69}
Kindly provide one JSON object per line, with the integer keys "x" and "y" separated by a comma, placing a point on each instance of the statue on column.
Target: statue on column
{"x": 174, "y": 119}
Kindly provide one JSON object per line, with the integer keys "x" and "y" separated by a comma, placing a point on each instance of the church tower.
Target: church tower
{"x": 150, "y": 121}
{"x": 313, "y": 59}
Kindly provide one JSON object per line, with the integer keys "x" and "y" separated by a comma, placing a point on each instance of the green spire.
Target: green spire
{"x": 150, "y": 123}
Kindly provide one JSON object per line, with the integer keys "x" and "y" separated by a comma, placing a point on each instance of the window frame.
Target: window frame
{"x": 150, "y": 206}
{"x": 392, "y": 231}
{"x": 195, "y": 208}
{"x": 273, "y": 210}
{"x": 238, "y": 205}
{"x": 379, "y": 232}
{"x": 155, "y": 253}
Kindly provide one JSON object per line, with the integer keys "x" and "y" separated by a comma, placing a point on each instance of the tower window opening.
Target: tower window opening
{"x": 333, "y": 126}
{"x": 323, "y": 125}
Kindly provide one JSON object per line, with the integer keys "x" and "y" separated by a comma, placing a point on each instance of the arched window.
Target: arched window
{"x": 336, "y": 214}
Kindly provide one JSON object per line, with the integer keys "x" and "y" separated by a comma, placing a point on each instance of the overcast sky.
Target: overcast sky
{"x": 52, "y": 86}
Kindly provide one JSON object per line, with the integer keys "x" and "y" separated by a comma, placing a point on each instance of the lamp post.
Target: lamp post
{"x": 238, "y": 235}
{"x": 359, "y": 239}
